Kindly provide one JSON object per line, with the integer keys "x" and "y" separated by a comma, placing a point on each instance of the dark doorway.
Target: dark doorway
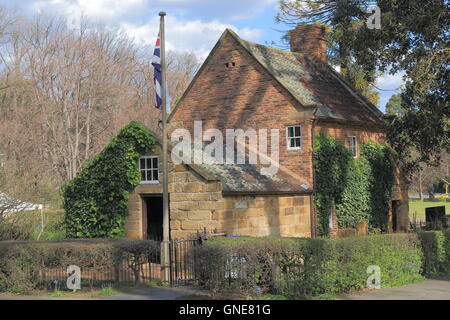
{"x": 153, "y": 207}
{"x": 395, "y": 207}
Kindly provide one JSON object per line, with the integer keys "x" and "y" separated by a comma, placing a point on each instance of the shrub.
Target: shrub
{"x": 446, "y": 234}
{"x": 436, "y": 251}
{"x": 398, "y": 256}
{"x": 96, "y": 200}
{"x": 299, "y": 267}
{"x": 22, "y": 262}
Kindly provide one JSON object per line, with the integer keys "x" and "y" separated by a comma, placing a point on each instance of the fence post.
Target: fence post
{"x": 165, "y": 268}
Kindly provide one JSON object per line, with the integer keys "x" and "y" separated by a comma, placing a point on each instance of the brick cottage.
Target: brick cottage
{"x": 243, "y": 85}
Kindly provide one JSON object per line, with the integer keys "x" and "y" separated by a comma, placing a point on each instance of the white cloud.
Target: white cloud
{"x": 232, "y": 10}
{"x": 191, "y": 25}
{"x": 131, "y": 10}
{"x": 390, "y": 82}
{"x": 196, "y": 36}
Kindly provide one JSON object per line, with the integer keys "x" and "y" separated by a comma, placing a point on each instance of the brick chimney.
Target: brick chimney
{"x": 309, "y": 39}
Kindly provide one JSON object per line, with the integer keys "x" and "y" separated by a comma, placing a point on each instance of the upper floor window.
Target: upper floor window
{"x": 294, "y": 137}
{"x": 148, "y": 166}
{"x": 353, "y": 144}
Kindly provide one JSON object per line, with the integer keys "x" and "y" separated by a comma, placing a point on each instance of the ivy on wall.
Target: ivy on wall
{"x": 360, "y": 188}
{"x": 96, "y": 200}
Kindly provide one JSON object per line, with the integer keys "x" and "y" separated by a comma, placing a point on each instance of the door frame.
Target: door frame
{"x": 144, "y": 212}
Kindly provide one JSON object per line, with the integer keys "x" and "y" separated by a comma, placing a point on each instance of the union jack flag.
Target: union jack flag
{"x": 157, "y": 76}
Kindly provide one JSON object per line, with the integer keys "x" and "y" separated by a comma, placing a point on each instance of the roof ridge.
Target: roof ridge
{"x": 245, "y": 43}
{"x": 344, "y": 83}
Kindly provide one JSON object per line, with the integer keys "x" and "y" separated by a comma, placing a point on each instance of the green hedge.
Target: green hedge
{"x": 21, "y": 262}
{"x": 436, "y": 248}
{"x": 295, "y": 267}
{"x": 96, "y": 200}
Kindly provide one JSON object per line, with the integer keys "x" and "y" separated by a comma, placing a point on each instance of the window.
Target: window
{"x": 148, "y": 166}
{"x": 353, "y": 143}
{"x": 294, "y": 137}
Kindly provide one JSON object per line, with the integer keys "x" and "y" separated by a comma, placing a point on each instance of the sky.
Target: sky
{"x": 191, "y": 25}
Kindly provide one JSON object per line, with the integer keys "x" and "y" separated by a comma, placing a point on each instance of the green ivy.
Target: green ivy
{"x": 331, "y": 163}
{"x": 360, "y": 188}
{"x": 381, "y": 183}
{"x": 96, "y": 200}
{"x": 354, "y": 202}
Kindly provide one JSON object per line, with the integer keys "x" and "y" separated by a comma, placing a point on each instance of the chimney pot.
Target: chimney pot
{"x": 309, "y": 40}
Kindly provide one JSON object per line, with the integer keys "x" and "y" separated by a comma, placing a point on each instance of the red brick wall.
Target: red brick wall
{"x": 342, "y": 132}
{"x": 241, "y": 97}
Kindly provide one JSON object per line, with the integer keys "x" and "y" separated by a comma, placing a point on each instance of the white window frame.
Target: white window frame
{"x": 148, "y": 169}
{"x": 288, "y": 139}
{"x": 353, "y": 147}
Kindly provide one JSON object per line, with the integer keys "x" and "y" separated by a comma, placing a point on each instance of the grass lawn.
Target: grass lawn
{"x": 419, "y": 207}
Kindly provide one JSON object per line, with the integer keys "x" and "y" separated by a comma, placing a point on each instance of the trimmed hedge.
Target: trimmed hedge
{"x": 436, "y": 249}
{"x": 21, "y": 262}
{"x": 294, "y": 267}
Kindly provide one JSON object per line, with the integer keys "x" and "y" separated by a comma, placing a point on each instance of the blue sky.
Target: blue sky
{"x": 191, "y": 25}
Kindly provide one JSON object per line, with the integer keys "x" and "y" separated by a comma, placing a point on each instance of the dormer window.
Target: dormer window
{"x": 353, "y": 145}
{"x": 149, "y": 169}
{"x": 294, "y": 137}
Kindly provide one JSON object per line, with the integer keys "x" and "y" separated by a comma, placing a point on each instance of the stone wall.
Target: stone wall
{"x": 276, "y": 215}
{"x": 197, "y": 203}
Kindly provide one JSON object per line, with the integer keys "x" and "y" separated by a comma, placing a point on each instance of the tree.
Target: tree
{"x": 413, "y": 38}
{"x": 426, "y": 177}
{"x": 64, "y": 93}
{"x": 340, "y": 18}
{"x": 394, "y": 105}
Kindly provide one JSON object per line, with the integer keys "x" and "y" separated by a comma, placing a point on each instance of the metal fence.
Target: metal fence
{"x": 127, "y": 271}
{"x": 147, "y": 268}
{"x": 122, "y": 273}
{"x": 182, "y": 264}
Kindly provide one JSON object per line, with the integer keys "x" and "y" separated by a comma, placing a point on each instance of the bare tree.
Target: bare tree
{"x": 64, "y": 93}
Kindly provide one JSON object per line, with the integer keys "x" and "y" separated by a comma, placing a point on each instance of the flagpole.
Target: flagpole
{"x": 165, "y": 167}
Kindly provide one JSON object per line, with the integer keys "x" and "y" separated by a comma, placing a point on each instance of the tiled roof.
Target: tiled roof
{"x": 248, "y": 178}
{"x": 313, "y": 84}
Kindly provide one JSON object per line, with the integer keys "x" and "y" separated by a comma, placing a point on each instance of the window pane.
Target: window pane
{"x": 292, "y": 143}
{"x": 148, "y": 162}
{"x": 142, "y": 163}
{"x": 155, "y": 163}
{"x": 142, "y": 175}
{"x": 155, "y": 175}
{"x": 297, "y": 131}
{"x": 297, "y": 142}
{"x": 290, "y": 131}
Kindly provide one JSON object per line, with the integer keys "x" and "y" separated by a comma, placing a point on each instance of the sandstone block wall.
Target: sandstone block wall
{"x": 196, "y": 204}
